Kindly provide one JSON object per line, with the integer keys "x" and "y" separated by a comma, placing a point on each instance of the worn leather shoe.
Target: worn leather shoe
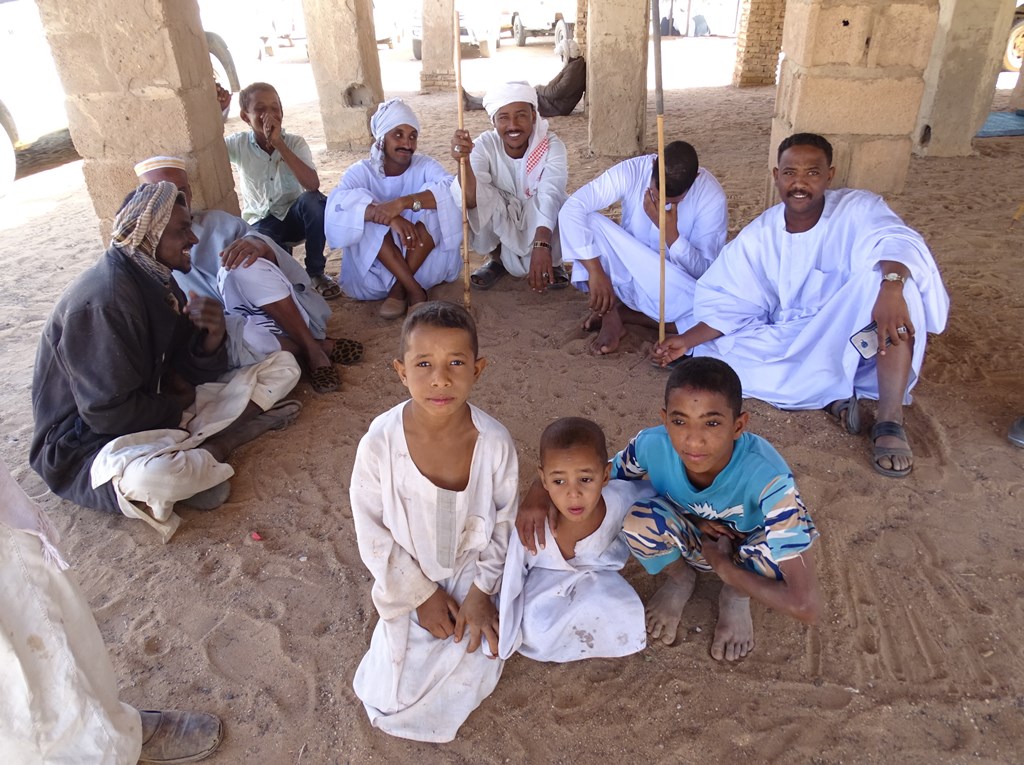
{"x": 173, "y": 736}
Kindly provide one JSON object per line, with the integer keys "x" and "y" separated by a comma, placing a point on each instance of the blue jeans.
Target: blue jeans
{"x": 305, "y": 220}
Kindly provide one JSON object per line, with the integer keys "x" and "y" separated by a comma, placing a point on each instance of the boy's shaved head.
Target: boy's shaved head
{"x": 708, "y": 374}
{"x": 438, "y": 313}
{"x": 572, "y": 432}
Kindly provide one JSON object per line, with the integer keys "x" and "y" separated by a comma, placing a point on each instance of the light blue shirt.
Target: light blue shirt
{"x": 269, "y": 187}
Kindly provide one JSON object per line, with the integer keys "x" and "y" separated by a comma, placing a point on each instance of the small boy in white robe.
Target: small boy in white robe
{"x": 569, "y": 601}
{"x": 434, "y": 494}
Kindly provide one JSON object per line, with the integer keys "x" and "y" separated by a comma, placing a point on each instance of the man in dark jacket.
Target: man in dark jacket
{"x": 123, "y": 352}
{"x": 559, "y": 97}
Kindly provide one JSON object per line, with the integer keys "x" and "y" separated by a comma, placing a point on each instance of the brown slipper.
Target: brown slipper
{"x": 324, "y": 379}
{"x": 392, "y": 308}
{"x": 171, "y": 736}
{"x": 346, "y": 352}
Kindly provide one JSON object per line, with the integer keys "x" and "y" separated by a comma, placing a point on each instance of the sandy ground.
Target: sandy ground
{"x": 918, "y": 654}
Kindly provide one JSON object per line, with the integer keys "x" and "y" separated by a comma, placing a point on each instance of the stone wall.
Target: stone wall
{"x": 759, "y": 42}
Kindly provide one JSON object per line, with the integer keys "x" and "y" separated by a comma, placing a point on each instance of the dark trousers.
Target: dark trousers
{"x": 304, "y": 221}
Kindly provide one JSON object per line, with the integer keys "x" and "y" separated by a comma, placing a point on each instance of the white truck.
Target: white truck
{"x": 534, "y": 18}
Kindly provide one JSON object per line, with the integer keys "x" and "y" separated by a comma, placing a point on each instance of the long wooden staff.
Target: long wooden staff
{"x": 462, "y": 167}
{"x": 659, "y": 108}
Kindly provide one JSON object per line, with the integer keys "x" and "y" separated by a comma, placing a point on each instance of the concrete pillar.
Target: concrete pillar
{"x": 1017, "y": 97}
{"x": 961, "y": 76}
{"x": 346, "y": 69}
{"x": 853, "y": 71}
{"x": 759, "y": 42}
{"x": 617, "y": 76}
{"x": 138, "y": 82}
{"x": 439, "y": 41}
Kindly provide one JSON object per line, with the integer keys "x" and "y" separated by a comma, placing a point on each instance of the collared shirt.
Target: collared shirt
{"x": 269, "y": 187}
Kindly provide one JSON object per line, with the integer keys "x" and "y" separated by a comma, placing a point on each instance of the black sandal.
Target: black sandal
{"x": 487, "y": 275}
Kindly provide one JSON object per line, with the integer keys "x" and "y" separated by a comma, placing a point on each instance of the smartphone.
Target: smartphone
{"x": 866, "y": 340}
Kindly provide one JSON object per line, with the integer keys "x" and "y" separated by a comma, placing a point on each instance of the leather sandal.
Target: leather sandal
{"x": 346, "y": 352}
{"x": 171, "y": 736}
{"x": 889, "y": 428}
{"x": 851, "y": 407}
{"x": 324, "y": 379}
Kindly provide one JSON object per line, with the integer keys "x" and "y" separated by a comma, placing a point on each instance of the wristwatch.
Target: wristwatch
{"x": 894, "y": 277}
{"x": 416, "y": 205}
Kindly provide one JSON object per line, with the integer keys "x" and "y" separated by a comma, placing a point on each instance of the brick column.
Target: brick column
{"x": 617, "y": 76}
{"x": 439, "y": 41}
{"x": 580, "y": 34}
{"x": 138, "y": 82}
{"x": 759, "y": 42}
{"x": 343, "y": 55}
{"x": 854, "y": 72}
{"x": 961, "y": 76}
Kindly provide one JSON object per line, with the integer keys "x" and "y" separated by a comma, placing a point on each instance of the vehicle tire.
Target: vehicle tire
{"x": 417, "y": 49}
{"x": 486, "y": 48}
{"x": 1014, "y": 55}
{"x": 222, "y": 62}
{"x": 518, "y": 32}
{"x": 8, "y": 162}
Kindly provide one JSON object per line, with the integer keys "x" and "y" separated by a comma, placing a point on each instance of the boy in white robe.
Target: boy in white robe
{"x": 569, "y": 601}
{"x": 620, "y": 265}
{"x": 395, "y": 216}
{"x": 784, "y": 299}
{"x": 515, "y": 186}
{"x": 434, "y": 493}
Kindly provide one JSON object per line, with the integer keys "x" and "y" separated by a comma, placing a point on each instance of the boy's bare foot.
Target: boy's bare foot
{"x": 734, "y": 634}
{"x": 665, "y": 609}
{"x": 608, "y": 337}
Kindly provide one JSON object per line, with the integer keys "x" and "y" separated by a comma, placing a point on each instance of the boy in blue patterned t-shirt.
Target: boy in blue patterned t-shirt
{"x": 726, "y": 503}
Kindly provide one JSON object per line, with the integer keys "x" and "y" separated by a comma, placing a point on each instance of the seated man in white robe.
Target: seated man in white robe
{"x": 568, "y": 601}
{"x": 395, "y": 216}
{"x": 620, "y": 265}
{"x": 270, "y": 302}
{"x": 784, "y": 300}
{"x": 515, "y": 186}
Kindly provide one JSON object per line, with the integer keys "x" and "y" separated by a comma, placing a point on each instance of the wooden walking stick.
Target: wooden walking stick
{"x": 462, "y": 168}
{"x": 659, "y": 108}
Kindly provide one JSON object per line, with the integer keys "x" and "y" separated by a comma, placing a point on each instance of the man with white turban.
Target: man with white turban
{"x": 133, "y": 408}
{"x": 270, "y": 302}
{"x": 395, "y": 217}
{"x": 515, "y": 186}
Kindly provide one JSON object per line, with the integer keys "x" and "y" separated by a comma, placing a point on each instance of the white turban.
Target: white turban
{"x": 509, "y": 93}
{"x": 389, "y": 115}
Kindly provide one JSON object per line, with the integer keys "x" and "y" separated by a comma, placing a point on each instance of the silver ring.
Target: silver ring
{"x": 408, "y": 237}
{"x": 546, "y": 274}
{"x": 457, "y": 149}
{"x": 901, "y": 330}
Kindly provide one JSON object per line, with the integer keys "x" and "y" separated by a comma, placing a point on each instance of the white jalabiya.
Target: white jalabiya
{"x": 560, "y": 610}
{"x": 505, "y": 213}
{"x": 629, "y": 253}
{"x": 60, "y": 701}
{"x": 788, "y": 303}
{"x": 363, "y": 277}
{"x": 414, "y": 538}
{"x": 158, "y": 468}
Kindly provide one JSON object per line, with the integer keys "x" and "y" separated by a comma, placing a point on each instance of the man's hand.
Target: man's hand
{"x": 540, "y": 275}
{"x": 462, "y": 145}
{"x": 602, "y": 296}
{"x": 673, "y": 348}
{"x": 246, "y": 251}
{"x": 223, "y": 96}
{"x": 407, "y": 232}
{"x": 479, "y": 615}
{"x": 892, "y": 316}
{"x": 385, "y": 212}
{"x": 714, "y": 529}
{"x": 437, "y": 614}
{"x": 207, "y": 315}
{"x": 533, "y": 509}
{"x": 651, "y": 201}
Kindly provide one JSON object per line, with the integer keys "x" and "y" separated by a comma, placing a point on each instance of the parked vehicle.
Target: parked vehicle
{"x": 479, "y": 26}
{"x": 1014, "y": 55}
{"x": 534, "y": 18}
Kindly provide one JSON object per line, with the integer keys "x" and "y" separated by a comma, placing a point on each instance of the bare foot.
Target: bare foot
{"x": 593, "y": 322}
{"x": 608, "y": 337}
{"x": 734, "y": 634}
{"x": 665, "y": 608}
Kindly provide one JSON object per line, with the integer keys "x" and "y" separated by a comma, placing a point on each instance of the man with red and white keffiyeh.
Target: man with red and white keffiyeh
{"x": 515, "y": 186}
